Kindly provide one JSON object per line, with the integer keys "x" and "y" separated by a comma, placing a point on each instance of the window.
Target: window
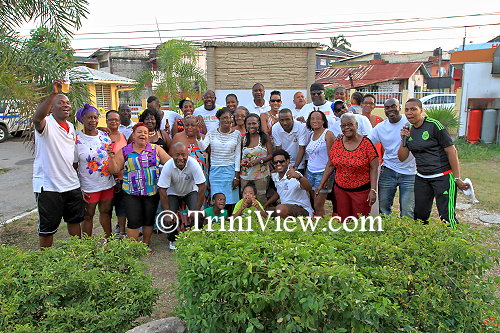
{"x": 323, "y": 62}
{"x": 103, "y": 96}
{"x": 103, "y": 64}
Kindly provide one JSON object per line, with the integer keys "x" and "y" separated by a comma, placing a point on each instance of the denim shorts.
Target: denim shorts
{"x": 315, "y": 178}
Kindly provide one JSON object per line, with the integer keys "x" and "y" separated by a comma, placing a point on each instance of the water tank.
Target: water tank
{"x": 488, "y": 128}
{"x": 474, "y": 125}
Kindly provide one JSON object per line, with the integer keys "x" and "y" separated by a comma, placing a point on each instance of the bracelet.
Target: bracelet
{"x": 458, "y": 178}
{"x": 374, "y": 190}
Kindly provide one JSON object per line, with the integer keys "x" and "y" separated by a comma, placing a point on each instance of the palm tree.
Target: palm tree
{"x": 28, "y": 66}
{"x": 177, "y": 72}
{"x": 338, "y": 42}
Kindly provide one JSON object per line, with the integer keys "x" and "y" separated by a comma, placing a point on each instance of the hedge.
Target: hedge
{"x": 409, "y": 277}
{"x": 79, "y": 286}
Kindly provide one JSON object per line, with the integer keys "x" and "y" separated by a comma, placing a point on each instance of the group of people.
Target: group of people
{"x": 236, "y": 160}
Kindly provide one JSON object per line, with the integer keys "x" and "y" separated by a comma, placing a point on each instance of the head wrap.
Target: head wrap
{"x": 83, "y": 110}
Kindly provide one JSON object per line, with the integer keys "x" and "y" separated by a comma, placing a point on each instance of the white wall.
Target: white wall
{"x": 477, "y": 82}
{"x": 245, "y": 97}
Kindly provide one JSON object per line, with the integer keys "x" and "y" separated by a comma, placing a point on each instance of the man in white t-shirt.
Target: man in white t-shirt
{"x": 208, "y": 110}
{"x": 339, "y": 108}
{"x": 259, "y": 104}
{"x": 60, "y": 195}
{"x": 291, "y": 136}
{"x": 167, "y": 117}
{"x": 299, "y": 100}
{"x": 126, "y": 124}
{"x": 181, "y": 180}
{"x": 292, "y": 188}
{"x": 319, "y": 103}
{"x": 394, "y": 173}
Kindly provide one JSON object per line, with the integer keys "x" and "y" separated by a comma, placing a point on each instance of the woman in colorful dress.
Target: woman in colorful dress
{"x": 97, "y": 183}
{"x": 187, "y": 107}
{"x": 256, "y": 153}
{"x": 140, "y": 162}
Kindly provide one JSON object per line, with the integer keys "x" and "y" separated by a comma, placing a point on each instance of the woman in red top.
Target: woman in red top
{"x": 355, "y": 161}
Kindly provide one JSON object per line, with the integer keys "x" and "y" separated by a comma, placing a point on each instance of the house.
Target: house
{"x": 86, "y": 61}
{"x": 477, "y": 72}
{"x": 378, "y": 76}
{"x": 103, "y": 86}
{"x": 234, "y": 67}
{"x": 325, "y": 58}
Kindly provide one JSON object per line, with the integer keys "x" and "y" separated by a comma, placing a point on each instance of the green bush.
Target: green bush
{"x": 445, "y": 115}
{"x": 409, "y": 277}
{"x": 79, "y": 286}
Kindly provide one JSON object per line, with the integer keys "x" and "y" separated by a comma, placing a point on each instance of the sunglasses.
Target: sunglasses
{"x": 275, "y": 100}
{"x": 316, "y": 93}
{"x": 279, "y": 161}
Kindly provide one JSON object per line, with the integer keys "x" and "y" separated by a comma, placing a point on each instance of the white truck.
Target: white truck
{"x": 11, "y": 122}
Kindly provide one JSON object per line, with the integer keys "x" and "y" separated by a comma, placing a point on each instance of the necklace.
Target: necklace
{"x": 152, "y": 133}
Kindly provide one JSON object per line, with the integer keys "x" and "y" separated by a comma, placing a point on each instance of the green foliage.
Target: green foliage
{"x": 445, "y": 115}
{"x": 473, "y": 152}
{"x": 329, "y": 94}
{"x": 338, "y": 42}
{"x": 410, "y": 277}
{"x": 79, "y": 286}
{"x": 177, "y": 72}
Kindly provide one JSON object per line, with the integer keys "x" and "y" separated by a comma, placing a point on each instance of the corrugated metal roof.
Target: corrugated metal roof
{"x": 367, "y": 74}
{"x": 86, "y": 74}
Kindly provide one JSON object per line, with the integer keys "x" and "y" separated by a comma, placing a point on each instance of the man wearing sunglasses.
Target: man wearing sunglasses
{"x": 319, "y": 103}
{"x": 339, "y": 108}
{"x": 291, "y": 187}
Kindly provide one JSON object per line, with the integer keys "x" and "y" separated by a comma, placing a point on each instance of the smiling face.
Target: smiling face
{"x": 239, "y": 117}
{"x": 316, "y": 120}
{"x": 252, "y": 124}
{"x": 187, "y": 108}
{"x": 231, "y": 103}
{"x": 413, "y": 112}
{"x": 180, "y": 155}
{"x": 150, "y": 122}
{"x": 220, "y": 201}
{"x": 61, "y": 107}
{"x": 191, "y": 126}
{"x": 280, "y": 163}
{"x": 339, "y": 94}
{"x": 275, "y": 103}
{"x": 141, "y": 135}
{"x": 368, "y": 104}
{"x": 339, "y": 109}
{"x": 209, "y": 100}
{"x": 90, "y": 120}
{"x": 391, "y": 110}
{"x": 113, "y": 121}
{"x": 349, "y": 127}
{"x": 225, "y": 121}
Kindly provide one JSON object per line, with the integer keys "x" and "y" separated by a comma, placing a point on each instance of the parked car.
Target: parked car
{"x": 438, "y": 100}
{"x": 11, "y": 122}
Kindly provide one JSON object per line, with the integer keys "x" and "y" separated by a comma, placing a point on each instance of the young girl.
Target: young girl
{"x": 249, "y": 204}
{"x": 218, "y": 208}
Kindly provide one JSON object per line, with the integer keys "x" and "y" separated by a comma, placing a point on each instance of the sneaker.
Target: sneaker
{"x": 171, "y": 246}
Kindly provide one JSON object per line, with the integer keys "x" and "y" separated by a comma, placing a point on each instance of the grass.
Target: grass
{"x": 473, "y": 152}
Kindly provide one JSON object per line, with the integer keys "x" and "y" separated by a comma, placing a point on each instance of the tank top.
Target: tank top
{"x": 160, "y": 142}
{"x": 317, "y": 153}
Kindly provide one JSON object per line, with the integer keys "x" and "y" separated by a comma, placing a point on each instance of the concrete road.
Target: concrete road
{"x": 16, "y": 191}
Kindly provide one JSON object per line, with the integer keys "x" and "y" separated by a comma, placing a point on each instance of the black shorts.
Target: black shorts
{"x": 141, "y": 210}
{"x": 52, "y": 206}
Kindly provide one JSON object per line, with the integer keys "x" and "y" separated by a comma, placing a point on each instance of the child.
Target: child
{"x": 219, "y": 203}
{"x": 249, "y": 204}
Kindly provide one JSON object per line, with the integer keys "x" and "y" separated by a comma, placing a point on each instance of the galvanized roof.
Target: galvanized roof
{"x": 368, "y": 74}
{"x": 86, "y": 74}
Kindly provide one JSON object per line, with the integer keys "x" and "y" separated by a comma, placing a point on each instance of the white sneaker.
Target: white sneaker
{"x": 171, "y": 246}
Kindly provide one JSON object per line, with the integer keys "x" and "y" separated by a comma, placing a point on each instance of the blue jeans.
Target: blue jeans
{"x": 388, "y": 182}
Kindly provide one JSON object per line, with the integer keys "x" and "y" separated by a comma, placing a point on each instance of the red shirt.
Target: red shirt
{"x": 352, "y": 168}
